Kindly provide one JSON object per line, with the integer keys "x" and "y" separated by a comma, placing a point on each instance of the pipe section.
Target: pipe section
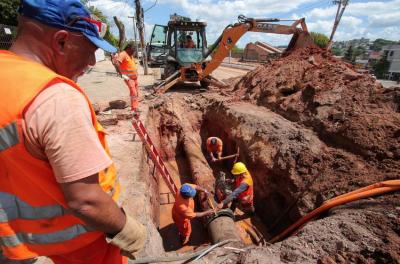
{"x": 220, "y": 227}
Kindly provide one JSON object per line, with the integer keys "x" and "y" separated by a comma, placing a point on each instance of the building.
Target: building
{"x": 392, "y": 53}
{"x": 260, "y": 51}
{"x": 355, "y": 43}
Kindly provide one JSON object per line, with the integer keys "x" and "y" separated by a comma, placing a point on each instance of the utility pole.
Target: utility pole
{"x": 135, "y": 32}
{"x": 140, "y": 27}
{"x": 342, "y": 4}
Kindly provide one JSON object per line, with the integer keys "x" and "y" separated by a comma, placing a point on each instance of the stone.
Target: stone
{"x": 108, "y": 120}
{"x": 117, "y": 104}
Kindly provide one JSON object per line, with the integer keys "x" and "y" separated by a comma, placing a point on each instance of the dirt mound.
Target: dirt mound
{"x": 348, "y": 136}
{"x": 348, "y": 110}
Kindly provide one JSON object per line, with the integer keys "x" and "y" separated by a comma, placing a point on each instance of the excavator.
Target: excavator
{"x": 196, "y": 64}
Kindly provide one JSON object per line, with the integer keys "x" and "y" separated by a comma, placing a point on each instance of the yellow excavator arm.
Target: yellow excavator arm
{"x": 227, "y": 41}
{"x": 231, "y": 35}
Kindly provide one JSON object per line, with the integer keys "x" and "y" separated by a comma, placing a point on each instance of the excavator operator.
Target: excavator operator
{"x": 189, "y": 44}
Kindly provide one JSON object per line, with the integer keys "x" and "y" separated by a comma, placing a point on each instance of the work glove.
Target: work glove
{"x": 131, "y": 238}
{"x": 125, "y": 77}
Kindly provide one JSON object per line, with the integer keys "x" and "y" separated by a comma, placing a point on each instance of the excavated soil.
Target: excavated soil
{"x": 309, "y": 128}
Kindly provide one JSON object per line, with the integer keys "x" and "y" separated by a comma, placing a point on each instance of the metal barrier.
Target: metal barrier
{"x": 7, "y": 36}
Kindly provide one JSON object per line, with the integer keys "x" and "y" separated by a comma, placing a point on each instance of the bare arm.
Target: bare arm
{"x": 235, "y": 194}
{"x": 205, "y": 213}
{"x": 201, "y": 189}
{"x": 90, "y": 203}
{"x": 212, "y": 156}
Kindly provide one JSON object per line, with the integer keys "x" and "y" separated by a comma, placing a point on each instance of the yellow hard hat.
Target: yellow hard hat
{"x": 238, "y": 168}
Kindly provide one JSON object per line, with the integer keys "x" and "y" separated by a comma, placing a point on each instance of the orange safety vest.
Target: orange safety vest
{"x": 34, "y": 217}
{"x": 214, "y": 148}
{"x": 128, "y": 66}
{"x": 248, "y": 194}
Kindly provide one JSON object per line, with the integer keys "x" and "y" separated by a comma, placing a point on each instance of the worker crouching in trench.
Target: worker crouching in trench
{"x": 183, "y": 210}
{"x": 243, "y": 194}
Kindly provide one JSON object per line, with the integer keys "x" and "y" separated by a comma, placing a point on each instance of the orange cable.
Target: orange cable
{"x": 365, "y": 192}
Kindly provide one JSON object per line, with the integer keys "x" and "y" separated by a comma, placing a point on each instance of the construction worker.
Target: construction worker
{"x": 183, "y": 210}
{"x": 128, "y": 70}
{"x": 189, "y": 44}
{"x": 58, "y": 184}
{"x": 243, "y": 195}
{"x": 214, "y": 148}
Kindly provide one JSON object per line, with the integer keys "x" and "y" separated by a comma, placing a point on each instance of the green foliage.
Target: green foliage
{"x": 378, "y": 44}
{"x": 110, "y": 37}
{"x": 358, "y": 52}
{"x": 336, "y": 51}
{"x": 236, "y": 49}
{"x": 320, "y": 39}
{"x": 349, "y": 55}
{"x": 8, "y": 12}
{"x": 381, "y": 67}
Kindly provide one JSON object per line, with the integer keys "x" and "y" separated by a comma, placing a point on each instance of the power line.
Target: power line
{"x": 153, "y": 5}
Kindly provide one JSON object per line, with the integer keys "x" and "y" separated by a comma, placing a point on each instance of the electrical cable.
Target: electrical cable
{"x": 147, "y": 9}
{"x": 362, "y": 193}
{"x": 187, "y": 256}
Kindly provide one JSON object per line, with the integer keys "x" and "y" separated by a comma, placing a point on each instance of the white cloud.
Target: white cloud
{"x": 122, "y": 10}
{"x": 387, "y": 20}
{"x": 369, "y": 19}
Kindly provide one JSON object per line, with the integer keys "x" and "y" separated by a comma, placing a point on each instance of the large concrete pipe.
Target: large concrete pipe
{"x": 220, "y": 227}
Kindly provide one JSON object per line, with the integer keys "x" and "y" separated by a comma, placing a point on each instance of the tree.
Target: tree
{"x": 8, "y": 12}
{"x": 349, "y": 55}
{"x": 381, "y": 67}
{"x": 336, "y": 51}
{"x": 121, "y": 30}
{"x": 378, "y": 44}
{"x": 320, "y": 39}
{"x": 236, "y": 49}
{"x": 358, "y": 51}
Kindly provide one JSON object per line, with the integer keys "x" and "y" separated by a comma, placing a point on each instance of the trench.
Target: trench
{"x": 179, "y": 131}
{"x": 284, "y": 159}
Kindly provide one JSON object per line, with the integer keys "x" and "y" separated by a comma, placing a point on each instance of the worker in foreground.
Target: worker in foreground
{"x": 183, "y": 210}
{"x": 58, "y": 184}
{"x": 214, "y": 148}
{"x": 127, "y": 67}
{"x": 242, "y": 195}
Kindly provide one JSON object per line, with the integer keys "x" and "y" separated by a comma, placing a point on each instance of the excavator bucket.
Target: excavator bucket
{"x": 299, "y": 40}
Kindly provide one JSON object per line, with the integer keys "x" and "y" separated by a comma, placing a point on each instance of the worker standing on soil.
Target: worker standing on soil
{"x": 183, "y": 210}
{"x": 214, "y": 148}
{"x": 58, "y": 184}
{"x": 128, "y": 69}
{"x": 243, "y": 195}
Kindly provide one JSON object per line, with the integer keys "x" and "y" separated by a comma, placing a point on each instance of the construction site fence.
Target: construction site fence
{"x": 7, "y": 36}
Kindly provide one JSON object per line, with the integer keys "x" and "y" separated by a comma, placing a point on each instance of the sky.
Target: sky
{"x": 362, "y": 18}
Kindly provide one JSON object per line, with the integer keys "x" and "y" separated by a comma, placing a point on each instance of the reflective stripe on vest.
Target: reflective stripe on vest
{"x": 47, "y": 238}
{"x": 12, "y": 208}
{"x": 8, "y": 136}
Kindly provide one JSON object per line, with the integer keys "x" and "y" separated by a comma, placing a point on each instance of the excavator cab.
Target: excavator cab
{"x": 178, "y": 45}
{"x": 187, "y": 42}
